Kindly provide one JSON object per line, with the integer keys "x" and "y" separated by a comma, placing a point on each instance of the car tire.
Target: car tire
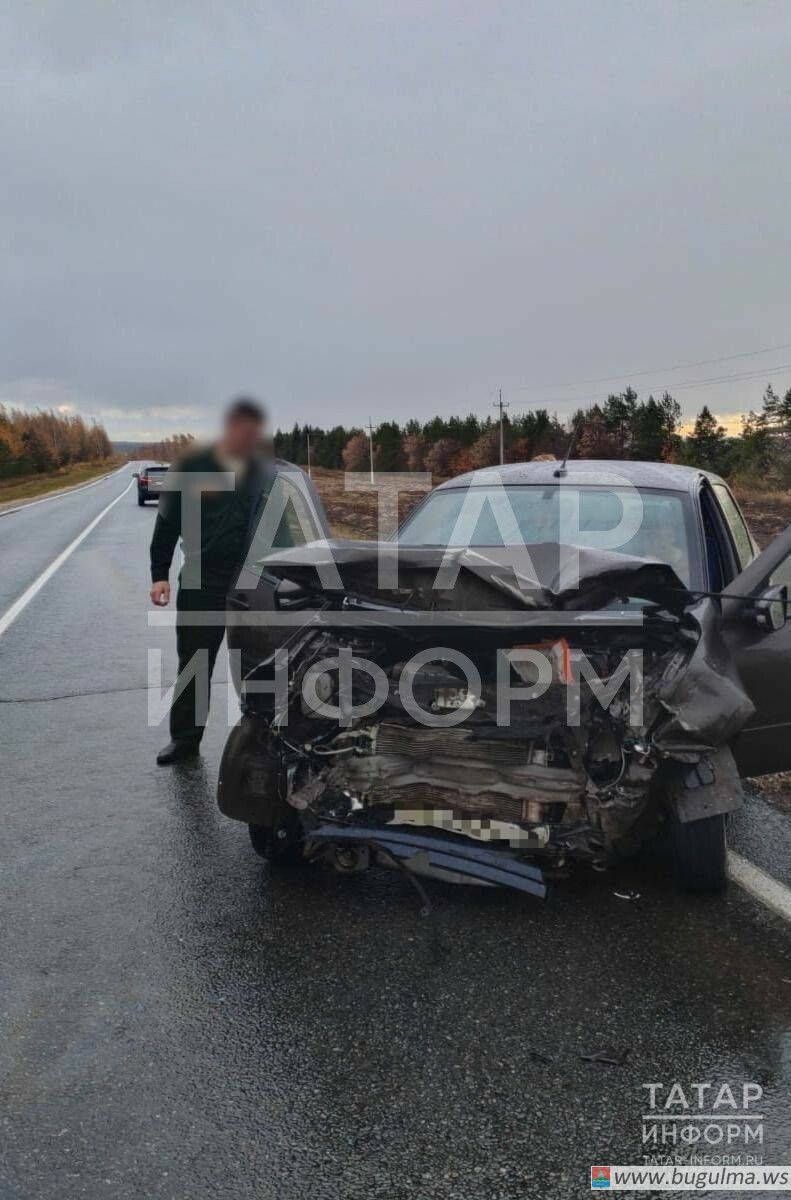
{"x": 699, "y": 850}
{"x": 279, "y": 851}
{"x": 140, "y": 501}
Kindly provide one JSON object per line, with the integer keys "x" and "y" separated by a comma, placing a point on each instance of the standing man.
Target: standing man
{"x": 213, "y": 523}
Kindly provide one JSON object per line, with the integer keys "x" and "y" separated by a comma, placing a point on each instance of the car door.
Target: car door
{"x": 289, "y": 512}
{"x": 763, "y": 659}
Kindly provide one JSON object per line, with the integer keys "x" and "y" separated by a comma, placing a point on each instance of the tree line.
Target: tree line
{"x": 167, "y": 450}
{"x": 36, "y": 443}
{"x": 621, "y": 427}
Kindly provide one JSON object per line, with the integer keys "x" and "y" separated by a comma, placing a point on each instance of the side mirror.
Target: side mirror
{"x": 135, "y": 474}
{"x": 771, "y": 608}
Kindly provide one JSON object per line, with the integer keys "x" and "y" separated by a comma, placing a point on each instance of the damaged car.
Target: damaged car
{"x": 545, "y": 666}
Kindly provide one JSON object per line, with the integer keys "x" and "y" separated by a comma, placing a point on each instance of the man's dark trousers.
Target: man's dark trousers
{"x": 190, "y": 709}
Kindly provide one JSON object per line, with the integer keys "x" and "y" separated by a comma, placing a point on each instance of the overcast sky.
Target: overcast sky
{"x": 361, "y": 207}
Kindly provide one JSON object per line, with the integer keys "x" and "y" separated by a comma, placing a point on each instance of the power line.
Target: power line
{"x": 703, "y": 362}
{"x": 762, "y": 374}
{"x": 711, "y": 381}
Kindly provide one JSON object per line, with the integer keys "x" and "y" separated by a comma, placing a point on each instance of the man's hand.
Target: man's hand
{"x": 160, "y": 593}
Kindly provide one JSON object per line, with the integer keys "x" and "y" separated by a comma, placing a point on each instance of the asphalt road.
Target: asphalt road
{"x": 178, "y": 1022}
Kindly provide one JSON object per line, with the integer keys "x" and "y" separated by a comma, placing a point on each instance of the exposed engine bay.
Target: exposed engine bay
{"x": 488, "y": 728}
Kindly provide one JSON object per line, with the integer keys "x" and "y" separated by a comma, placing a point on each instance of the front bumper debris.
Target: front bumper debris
{"x": 453, "y": 854}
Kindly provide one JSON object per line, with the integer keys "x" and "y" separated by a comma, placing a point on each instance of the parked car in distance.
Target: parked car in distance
{"x": 150, "y": 480}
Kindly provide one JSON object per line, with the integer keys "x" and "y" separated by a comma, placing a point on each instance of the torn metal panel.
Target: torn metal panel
{"x": 543, "y": 576}
{"x": 701, "y": 693}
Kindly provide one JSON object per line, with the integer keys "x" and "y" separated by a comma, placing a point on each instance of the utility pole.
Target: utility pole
{"x": 499, "y": 404}
{"x": 371, "y": 446}
{"x": 307, "y": 435}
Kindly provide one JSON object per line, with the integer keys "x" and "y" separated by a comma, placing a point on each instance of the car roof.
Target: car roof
{"x": 669, "y": 476}
{"x": 159, "y": 465}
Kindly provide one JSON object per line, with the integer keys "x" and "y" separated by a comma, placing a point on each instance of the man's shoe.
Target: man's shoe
{"x": 177, "y": 752}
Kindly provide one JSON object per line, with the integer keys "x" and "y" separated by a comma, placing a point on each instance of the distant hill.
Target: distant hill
{"x": 126, "y": 447}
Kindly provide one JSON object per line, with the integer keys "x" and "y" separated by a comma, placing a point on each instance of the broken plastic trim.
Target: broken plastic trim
{"x": 452, "y": 854}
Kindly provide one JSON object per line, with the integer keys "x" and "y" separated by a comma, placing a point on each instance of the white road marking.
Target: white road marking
{"x": 762, "y": 887}
{"x": 59, "y": 495}
{"x": 11, "y": 614}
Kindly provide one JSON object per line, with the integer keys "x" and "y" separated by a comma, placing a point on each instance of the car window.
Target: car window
{"x": 721, "y": 561}
{"x": 501, "y": 516}
{"x": 285, "y": 516}
{"x": 781, "y": 574}
{"x": 735, "y": 522}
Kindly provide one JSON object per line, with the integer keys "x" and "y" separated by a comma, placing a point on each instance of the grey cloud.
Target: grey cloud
{"x": 359, "y": 207}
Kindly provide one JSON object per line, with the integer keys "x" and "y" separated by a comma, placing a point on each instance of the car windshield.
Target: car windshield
{"x": 646, "y": 523}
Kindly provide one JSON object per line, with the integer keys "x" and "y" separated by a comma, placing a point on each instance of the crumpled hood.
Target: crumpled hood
{"x": 699, "y": 700}
{"x": 541, "y": 576}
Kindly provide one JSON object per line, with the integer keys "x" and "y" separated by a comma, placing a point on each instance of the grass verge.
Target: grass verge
{"x": 28, "y": 487}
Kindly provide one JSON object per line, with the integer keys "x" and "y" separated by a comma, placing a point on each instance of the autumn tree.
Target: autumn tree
{"x": 414, "y": 451}
{"x": 596, "y": 439}
{"x": 486, "y": 450}
{"x": 43, "y": 441}
{"x": 518, "y": 451}
{"x": 440, "y": 456}
{"x": 169, "y": 450}
{"x": 356, "y": 453}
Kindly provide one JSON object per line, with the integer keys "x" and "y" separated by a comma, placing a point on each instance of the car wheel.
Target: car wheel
{"x": 140, "y": 500}
{"x": 280, "y": 846}
{"x": 700, "y": 853}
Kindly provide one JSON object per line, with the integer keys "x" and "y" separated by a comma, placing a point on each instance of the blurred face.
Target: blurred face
{"x": 242, "y": 436}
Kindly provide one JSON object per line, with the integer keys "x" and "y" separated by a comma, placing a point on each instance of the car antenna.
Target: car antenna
{"x": 560, "y": 471}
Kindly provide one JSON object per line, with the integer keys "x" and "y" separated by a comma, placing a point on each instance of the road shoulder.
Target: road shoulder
{"x": 10, "y": 506}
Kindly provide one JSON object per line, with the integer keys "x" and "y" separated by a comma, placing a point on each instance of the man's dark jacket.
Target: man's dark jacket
{"x": 225, "y": 523}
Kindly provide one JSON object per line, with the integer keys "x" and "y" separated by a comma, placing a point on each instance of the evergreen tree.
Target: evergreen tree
{"x": 619, "y": 416}
{"x": 389, "y": 447}
{"x": 753, "y": 454}
{"x": 654, "y": 437}
{"x": 329, "y": 452}
{"x": 707, "y": 444}
{"x": 777, "y": 410}
{"x": 596, "y": 440}
{"x": 771, "y": 409}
